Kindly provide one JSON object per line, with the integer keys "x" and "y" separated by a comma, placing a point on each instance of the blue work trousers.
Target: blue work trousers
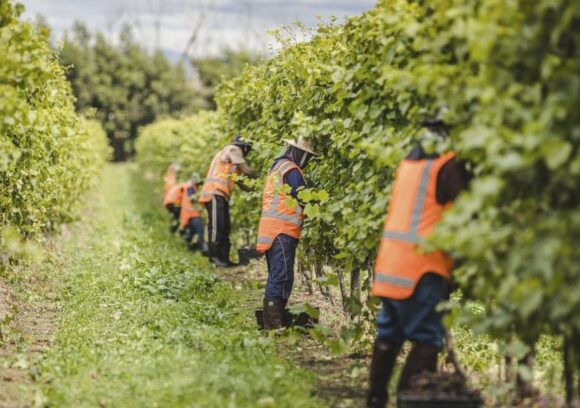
{"x": 194, "y": 227}
{"x": 280, "y": 258}
{"x": 415, "y": 318}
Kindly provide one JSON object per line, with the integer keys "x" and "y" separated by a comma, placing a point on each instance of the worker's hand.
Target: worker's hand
{"x": 244, "y": 187}
{"x": 248, "y": 171}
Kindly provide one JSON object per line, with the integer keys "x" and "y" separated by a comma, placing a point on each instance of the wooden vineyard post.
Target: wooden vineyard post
{"x": 343, "y": 295}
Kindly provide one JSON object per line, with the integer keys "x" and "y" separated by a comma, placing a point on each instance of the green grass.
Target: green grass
{"x": 145, "y": 323}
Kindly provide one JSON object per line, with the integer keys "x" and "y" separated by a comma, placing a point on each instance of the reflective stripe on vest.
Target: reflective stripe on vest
{"x": 218, "y": 179}
{"x": 413, "y": 213}
{"x": 277, "y": 218}
{"x": 395, "y": 280}
{"x": 188, "y": 209}
{"x": 412, "y": 234}
{"x": 265, "y": 240}
{"x": 273, "y": 213}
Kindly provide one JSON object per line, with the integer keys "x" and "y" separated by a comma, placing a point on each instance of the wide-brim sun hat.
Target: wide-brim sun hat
{"x": 302, "y": 144}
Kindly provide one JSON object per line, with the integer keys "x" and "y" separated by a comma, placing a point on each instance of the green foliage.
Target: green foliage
{"x": 507, "y": 73}
{"x": 48, "y": 155}
{"x": 127, "y": 86}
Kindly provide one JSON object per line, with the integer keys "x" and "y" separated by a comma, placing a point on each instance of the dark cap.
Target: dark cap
{"x": 238, "y": 141}
{"x": 242, "y": 144}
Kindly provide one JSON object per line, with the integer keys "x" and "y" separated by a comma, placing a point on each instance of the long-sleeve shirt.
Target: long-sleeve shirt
{"x": 293, "y": 178}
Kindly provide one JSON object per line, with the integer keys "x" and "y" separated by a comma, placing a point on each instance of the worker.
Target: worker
{"x": 172, "y": 203}
{"x": 170, "y": 177}
{"x": 409, "y": 281}
{"x": 227, "y": 164}
{"x": 280, "y": 227}
{"x": 190, "y": 216}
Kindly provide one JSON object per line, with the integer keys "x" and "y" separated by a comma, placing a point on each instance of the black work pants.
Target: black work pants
{"x": 218, "y": 213}
{"x": 174, "y": 211}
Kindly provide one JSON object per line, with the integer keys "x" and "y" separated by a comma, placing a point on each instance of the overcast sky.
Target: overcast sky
{"x": 169, "y": 24}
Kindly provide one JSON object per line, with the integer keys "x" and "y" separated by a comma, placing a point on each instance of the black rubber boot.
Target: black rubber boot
{"x": 422, "y": 358}
{"x": 193, "y": 247}
{"x": 223, "y": 260}
{"x": 223, "y": 264}
{"x": 382, "y": 364}
{"x": 273, "y": 314}
{"x": 223, "y": 253}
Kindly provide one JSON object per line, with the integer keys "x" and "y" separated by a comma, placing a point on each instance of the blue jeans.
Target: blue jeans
{"x": 280, "y": 259}
{"x": 415, "y": 318}
{"x": 194, "y": 227}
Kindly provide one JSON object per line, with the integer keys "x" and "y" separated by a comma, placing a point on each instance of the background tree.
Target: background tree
{"x": 127, "y": 86}
{"x": 213, "y": 70}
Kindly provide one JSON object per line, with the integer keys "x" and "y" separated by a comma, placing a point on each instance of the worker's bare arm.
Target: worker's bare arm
{"x": 248, "y": 171}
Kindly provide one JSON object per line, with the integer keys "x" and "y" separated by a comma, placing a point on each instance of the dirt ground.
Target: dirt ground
{"x": 29, "y": 317}
{"x": 340, "y": 380}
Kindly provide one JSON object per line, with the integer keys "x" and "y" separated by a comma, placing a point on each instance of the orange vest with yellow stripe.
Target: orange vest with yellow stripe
{"x": 170, "y": 179}
{"x": 279, "y": 216}
{"x": 173, "y": 196}
{"x": 188, "y": 209}
{"x": 413, "y": 213}
{"x": 219, "y": 179}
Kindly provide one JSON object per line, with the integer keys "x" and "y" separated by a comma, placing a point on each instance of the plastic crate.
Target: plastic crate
{"x": 247, "y": 254}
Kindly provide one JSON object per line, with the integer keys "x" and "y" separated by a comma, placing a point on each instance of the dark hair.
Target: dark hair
{"x": 298, "y": 156}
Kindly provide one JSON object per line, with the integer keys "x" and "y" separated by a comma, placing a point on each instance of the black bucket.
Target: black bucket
{"x": 409, "y": 401}
{"x": 247, "y": 254}
{"x": 301, "y": 319}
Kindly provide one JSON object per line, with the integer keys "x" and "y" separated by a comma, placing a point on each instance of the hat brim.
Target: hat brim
{"x": 306, "y": 149}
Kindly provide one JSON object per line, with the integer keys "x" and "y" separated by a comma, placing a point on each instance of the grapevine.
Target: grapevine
{"x": 49, "y": 156}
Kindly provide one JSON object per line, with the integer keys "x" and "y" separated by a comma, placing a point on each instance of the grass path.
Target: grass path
{"x": 145, "y": 323}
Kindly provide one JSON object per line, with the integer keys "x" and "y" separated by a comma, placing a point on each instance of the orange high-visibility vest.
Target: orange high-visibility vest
{"x": 413, "y": 213}
{"x": 188, "y": 209}
{"x": 173, "y": 196}
{"x": 170, "y": 179}
{"x": 278, "y": 216}
{"x": 219, "y": 179}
